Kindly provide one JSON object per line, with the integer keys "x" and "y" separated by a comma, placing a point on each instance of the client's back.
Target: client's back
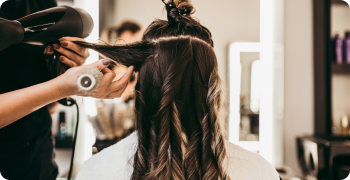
{"x": 178, "y": 106}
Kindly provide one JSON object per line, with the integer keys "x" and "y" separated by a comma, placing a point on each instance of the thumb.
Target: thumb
{"x": 101, "y": 64}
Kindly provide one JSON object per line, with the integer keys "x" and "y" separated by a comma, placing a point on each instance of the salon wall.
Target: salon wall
{"x": 228, "y": 20}
{"x": 298, "y": 102}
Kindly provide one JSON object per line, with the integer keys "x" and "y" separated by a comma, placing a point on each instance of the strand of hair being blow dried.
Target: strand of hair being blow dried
{"x": 129, "y": 54}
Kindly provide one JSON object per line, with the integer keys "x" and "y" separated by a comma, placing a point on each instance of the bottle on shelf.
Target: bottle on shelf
{"x": 346, "y": 48}
{"x": 62, "y": 125}
{"x": 338, "y": 49}
{"x": 344, "y": 125}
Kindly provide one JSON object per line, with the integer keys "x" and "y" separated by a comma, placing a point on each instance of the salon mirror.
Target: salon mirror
{"x": 248, "y": 119}
{"x": 245, "y": 85}
{"x": 250, "y": 96}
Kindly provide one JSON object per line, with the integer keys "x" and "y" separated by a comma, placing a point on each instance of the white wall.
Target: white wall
{"x": 298, "y": 106}
{"x": 340, "y": 18}
{"x": 228, "y": 20}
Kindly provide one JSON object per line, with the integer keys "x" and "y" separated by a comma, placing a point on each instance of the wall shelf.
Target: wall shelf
{"x": 341, "y": 68}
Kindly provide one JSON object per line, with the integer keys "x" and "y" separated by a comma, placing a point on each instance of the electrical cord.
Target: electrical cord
{"x": 74, "y": 141}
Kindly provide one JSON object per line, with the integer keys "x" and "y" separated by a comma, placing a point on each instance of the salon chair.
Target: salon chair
{"x": 341, "y": 167}
{"x": 316, "y": 153}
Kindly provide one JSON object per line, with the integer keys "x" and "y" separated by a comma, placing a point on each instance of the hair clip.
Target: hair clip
{"x": 170, "y": 6}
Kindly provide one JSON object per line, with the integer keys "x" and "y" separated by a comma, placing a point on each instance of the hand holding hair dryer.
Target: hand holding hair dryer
{"x": 46, "y": 27}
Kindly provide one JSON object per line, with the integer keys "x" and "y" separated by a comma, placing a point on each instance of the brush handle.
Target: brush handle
{"x": 90, "y": 79}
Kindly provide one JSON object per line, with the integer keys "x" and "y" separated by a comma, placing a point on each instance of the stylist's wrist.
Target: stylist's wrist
{"x": 67, "y": 82}
{"x": 63, "y": 88}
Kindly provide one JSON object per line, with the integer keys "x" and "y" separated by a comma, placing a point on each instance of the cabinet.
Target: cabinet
{"x": 331, "y": 81}
{"x": 331, "y": 95}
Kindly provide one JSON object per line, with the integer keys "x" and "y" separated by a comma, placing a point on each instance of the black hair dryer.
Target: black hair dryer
{"x": 46, "y": 27}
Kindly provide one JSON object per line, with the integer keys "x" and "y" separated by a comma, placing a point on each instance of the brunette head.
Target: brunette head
{"x": 178, "y": 98}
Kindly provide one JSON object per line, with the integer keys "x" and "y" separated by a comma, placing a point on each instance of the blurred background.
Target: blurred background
{"x": 286, "y": 69}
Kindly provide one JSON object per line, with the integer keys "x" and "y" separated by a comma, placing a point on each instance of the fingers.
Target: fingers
{"x": 73, "y": 54}
{"x": 102, "y": 64}
{"x": 126, "y": 77}
{"x": 67, "y": 38}
{"x": 115, "y": 94}
{"x": 68, "y": 62}
{"x": 108, "y": 76}
{"x": 118, "y": 87}
{"x": 70, "y": 55}
{"x": 75, "y": 48}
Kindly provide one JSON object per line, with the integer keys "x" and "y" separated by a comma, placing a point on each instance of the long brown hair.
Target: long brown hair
{"x": 178, "y": 98}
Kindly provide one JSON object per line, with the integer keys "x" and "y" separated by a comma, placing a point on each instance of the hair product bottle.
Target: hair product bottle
{"x": 346, "y": 47}
{"x": 344, "y": 125}
{"x": 338, "y": 49}
{"x": 62, "y": 124}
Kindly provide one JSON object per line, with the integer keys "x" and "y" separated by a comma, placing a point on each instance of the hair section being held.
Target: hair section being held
{"x": 130, "y": 54}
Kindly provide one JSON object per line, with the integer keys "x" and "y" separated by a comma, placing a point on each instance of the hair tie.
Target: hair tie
{"x": 170, "y": 6}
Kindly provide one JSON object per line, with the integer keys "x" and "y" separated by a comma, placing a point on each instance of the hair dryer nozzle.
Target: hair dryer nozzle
{"x": 11, "y": 33}
{"x": 47, "y": 26}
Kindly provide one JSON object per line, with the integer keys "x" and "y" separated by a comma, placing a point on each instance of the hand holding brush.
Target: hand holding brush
{"x": 98, "y": 81}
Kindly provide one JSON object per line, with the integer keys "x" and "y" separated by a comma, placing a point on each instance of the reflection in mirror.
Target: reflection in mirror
{"x": 255, "y": 86}
{"x": 243, "y": 122}
{"x": 249, "y": 125}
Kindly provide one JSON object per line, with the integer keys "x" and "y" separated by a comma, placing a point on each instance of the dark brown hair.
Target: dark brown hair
{"x": 178, "y": 99}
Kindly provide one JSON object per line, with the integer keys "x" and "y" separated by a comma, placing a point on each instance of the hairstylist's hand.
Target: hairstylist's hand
{"x": 72, "y": 54}
{"x": 109, "y": 89}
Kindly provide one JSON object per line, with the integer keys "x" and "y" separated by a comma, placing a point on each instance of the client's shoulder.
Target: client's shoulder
{"x": 124, "y": 149}
{"x": 114, "y": 162}
{"x": 248, "y": 165}
{"x": 235, "y": 151}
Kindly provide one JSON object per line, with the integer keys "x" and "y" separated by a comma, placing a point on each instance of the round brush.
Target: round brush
{"x": 90, "y": 79}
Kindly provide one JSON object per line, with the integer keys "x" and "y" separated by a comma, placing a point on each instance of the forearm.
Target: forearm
{"x": 17, "y": 104}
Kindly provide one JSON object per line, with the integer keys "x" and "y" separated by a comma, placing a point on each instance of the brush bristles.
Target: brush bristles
{"x": 98, "y": 78}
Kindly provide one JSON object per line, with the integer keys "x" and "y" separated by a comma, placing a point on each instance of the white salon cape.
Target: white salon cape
{"x": 116, "y": 163}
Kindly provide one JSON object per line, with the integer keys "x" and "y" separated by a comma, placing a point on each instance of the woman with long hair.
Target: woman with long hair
{"x": 178, "y": 107}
